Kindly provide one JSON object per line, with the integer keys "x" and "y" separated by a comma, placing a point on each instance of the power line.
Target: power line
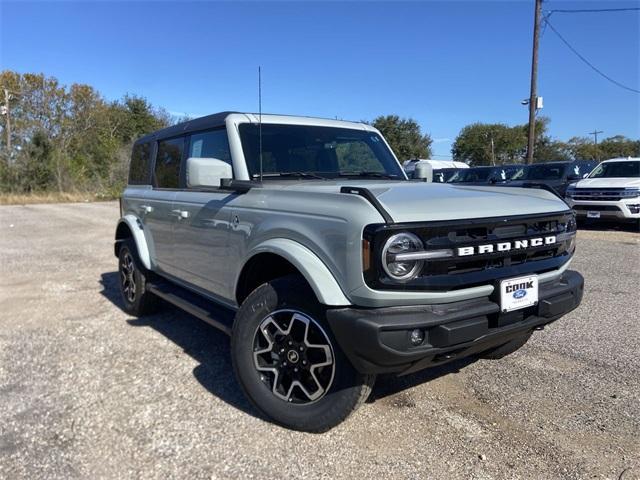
{"x": 593, "y": 67}
{"x": 595, "y": 10}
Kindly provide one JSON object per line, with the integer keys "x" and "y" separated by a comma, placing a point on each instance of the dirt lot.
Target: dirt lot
{"x": 86, "y": 391}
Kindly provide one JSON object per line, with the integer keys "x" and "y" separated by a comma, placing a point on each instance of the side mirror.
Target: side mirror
{"x": 423, "y": 170}
{"x": 573, "y": 177}
{"x": 207, "y": 172}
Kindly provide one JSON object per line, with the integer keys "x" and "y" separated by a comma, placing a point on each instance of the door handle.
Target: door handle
{"x": 180, "y": 213}
{"x": 146, "y": 208}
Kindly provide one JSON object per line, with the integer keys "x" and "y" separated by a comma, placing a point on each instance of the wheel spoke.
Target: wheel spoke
{"x": 127, "y": 279}
{"x": 294, "y": 356}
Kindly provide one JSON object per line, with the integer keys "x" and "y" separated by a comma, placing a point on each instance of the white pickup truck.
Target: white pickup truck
{"x": 611, "y": 192}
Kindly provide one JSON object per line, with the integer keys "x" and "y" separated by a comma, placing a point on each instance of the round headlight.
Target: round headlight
{"x": 406, "y": 270}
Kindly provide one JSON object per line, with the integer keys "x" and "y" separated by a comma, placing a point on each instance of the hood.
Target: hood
{"x": 608, "y": 183}
{"x": 419, "y": 201}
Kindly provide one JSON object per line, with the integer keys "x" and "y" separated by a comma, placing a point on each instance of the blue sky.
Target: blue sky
{"x": 446, "y": 64}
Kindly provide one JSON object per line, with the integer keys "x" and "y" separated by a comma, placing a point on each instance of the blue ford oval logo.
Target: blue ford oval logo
{"x": 520, "y": 294}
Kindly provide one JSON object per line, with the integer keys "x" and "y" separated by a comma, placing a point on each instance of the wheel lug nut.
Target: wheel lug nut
{"x": 295, "y": 369}
{"x": 304, "y": 362}
{"x": 290, "y": 343}
{"x": 301, "y": 349}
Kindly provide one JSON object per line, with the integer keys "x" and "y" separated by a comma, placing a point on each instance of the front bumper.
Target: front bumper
{"x": 623, "y": 210}
{"x": 377, "y": 340}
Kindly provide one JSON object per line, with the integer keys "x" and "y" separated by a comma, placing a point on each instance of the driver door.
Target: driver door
{"x": 201, "y": 232}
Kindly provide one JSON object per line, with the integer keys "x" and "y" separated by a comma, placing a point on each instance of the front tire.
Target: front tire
{"x": 132, "y": 281}
{"x": 288, "y": 362}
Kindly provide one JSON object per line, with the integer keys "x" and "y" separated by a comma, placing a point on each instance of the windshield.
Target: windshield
{"x": 443, "y": 175}
{"x": 545, "y": 172}
{"x": 513, "y": 173}
{"x": 471, "y": 175}
{"x": 303, "y": 151}
{"x": 617, "y": 170}
{"x": 521, "y": 174}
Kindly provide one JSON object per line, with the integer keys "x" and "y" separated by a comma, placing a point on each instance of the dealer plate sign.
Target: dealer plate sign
{"x": 517, "y": 293}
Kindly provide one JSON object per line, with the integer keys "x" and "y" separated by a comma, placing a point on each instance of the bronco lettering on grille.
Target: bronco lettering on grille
{"x": 507, "y": 246}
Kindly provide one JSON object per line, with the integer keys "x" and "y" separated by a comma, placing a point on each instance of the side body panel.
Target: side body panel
{"x": 158, "y": 224}
{"x": 201, "y": 240}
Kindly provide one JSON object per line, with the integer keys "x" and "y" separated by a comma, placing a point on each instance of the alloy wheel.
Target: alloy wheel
{"x": 294, "y": 356}
{"x": 127, "y": 279}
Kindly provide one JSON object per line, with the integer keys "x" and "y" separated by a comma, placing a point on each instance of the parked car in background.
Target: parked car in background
{"x": 409, "y": 166}
{"x": 443, "y": 175}
{"x": 612, "y": 192}
{"x": 555, "y": 175}
{"x": 486, "y": 175}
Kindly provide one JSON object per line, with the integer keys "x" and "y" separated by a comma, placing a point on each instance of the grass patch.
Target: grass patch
{"x": 52, "y": 197}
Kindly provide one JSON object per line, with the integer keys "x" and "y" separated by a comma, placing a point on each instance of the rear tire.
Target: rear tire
{"x": 287, "y": 361}
{"x": 508, "y": 348}
{"x": 132, "y": 280}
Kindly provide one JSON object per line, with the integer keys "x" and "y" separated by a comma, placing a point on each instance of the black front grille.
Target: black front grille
{"x": 601, "y": 194}
{"x": 597, "y": 208}
{"x": 461, "y": 271}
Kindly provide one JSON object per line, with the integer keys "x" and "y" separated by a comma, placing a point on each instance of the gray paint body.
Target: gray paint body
{"x": 310, "y": 223}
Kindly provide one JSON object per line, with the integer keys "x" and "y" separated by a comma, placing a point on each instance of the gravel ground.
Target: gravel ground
{"x": 87, "y": 391}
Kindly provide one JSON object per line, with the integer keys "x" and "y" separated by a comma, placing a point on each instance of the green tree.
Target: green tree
{"x": 404, "y": 137}
{"x": 473, "y": 145}
{"x": 618, "y": 146}
{"x": 69, "y": 138}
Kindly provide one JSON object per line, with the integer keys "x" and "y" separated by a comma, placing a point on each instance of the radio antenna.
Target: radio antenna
{"x": 260, "y": 117}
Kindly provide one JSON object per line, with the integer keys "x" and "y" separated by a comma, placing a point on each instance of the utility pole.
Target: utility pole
{"x": 493, "y": 152}
{"x": 7, "y": 112}
{"x": 595, "y": 139}
{"x": 533, "y": 101}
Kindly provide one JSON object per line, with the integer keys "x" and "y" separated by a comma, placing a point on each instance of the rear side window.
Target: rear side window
{"x": 139, "y": 169}
{"x": 167, "y": 171}
{"x": 213, "y": 144}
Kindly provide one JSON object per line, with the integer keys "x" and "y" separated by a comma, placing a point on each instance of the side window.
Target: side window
{"x": 140, "y": 164}
{"x": 167, "y": 171}
{"x": 213, "y": 144}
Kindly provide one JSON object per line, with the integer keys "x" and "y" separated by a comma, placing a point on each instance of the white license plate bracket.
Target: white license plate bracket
{"x": 518, "y": 293}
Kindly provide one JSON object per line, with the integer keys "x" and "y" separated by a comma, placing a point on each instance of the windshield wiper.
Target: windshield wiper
{"x": 365, "y": 173}
{"x": 294, "y": 175}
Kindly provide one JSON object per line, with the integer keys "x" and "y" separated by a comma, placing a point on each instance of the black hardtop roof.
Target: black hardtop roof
{"x": 194, "y": 125}
{"x": 204, "y": 123}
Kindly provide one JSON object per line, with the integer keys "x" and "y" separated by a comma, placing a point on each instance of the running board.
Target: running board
{"x": 215, "y": 315}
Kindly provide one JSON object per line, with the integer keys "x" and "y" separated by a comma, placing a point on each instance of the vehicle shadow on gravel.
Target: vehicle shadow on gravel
{"x": 388, "y": 385}
{"x": 205, "y": 344}
{"x": 210, "y": 348}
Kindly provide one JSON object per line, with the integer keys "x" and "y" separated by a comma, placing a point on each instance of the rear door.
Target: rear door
{"x": 201, "y": 232}
{"x": 160, "y": 216}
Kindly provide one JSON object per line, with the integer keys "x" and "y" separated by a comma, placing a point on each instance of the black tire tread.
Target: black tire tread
{"x": 293, "y": 286}
{"x": 147, "y": 302}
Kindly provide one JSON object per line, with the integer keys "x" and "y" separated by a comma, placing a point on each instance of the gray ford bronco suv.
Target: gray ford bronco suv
{"x": 303, "y": 239}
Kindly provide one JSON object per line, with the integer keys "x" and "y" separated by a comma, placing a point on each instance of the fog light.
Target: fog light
{"x": 416, "y": 336}
{"x": 634, "y": 208}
